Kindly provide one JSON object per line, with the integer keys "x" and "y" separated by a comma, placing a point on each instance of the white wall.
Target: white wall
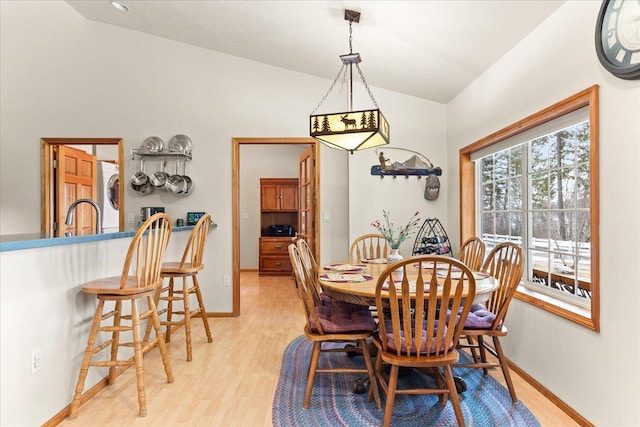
{"x": 422, "y": 127}
{"x": 260, "y": 161}
{"x": 598, "y": 374}
{"x": 64, "y": 76}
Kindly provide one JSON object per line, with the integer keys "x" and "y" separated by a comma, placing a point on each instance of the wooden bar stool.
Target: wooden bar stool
{"x": 139, "y": 280}
{"x": 188, "y": 266}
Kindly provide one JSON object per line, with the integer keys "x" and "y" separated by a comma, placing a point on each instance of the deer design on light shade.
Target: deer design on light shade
{"x": 348, "y": 122}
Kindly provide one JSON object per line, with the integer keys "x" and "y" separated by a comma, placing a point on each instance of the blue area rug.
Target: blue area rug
{"x": 333, "y": 403}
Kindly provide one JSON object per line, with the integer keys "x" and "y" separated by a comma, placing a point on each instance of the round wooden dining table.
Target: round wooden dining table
{"x": 358, "y": 285}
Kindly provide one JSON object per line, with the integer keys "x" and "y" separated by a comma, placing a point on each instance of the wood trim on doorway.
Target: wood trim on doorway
{"x": 235, "y": 201}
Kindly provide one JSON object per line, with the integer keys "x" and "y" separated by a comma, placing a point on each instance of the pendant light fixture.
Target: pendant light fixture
{"x": 350, "y": 130}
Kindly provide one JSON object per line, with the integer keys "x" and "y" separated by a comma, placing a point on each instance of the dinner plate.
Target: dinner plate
{"x": 375, "y": 260}
{"x": 345, "y": 267}
{"x": 336, "y": 277}
{"x": 457, "y": 274}
{"x": 412, "y": 286}
{"x": 429, "y": 266}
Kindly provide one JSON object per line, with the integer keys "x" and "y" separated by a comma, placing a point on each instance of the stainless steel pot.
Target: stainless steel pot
{"x": 139, "y": 178}
{"x": 159, "y": 178}
{"x": 188, "y": 182}
{"x": 145, "y": 188}
{"x": 175, "y": 183}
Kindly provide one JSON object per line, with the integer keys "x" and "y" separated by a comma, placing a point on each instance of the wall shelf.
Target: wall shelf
{"x": 162, "y": 155}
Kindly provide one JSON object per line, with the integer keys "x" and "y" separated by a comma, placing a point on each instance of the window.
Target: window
{"x": 535, "y": 183}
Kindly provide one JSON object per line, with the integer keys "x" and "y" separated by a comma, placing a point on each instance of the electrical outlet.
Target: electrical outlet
{"x": 36, "y": 360}
{"x": 226, "y": 281}
{"x": 130, "y": 218}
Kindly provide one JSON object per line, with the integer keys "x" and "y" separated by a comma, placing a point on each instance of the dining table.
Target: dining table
{"x": 356, "y": 282}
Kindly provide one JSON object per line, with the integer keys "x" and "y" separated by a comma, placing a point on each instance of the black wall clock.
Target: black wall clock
{"x": 618, "y": 38}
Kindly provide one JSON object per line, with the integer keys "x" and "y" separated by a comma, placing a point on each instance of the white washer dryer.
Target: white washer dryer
{"x": 108, "y": 184}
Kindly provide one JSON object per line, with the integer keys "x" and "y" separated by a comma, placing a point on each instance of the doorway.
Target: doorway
{"x": 52, "y": 190}
{"x": 236, "y": 144}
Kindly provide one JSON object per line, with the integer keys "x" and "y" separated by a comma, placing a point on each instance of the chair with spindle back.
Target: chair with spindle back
{"x": 188, "y": 266}
{"x": 329, "y": 321}
{"x": 471, "y": 253}
{"x": 505, "y": 263}
{"x": 369, "y": 246}
{"x": 139, "y": 280}
{"x": 415, "y": 329}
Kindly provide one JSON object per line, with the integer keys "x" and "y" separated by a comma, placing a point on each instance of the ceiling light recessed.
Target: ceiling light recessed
{"x": 120, "y": 6}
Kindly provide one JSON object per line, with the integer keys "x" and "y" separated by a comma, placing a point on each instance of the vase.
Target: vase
{"x": 394, "y": 256}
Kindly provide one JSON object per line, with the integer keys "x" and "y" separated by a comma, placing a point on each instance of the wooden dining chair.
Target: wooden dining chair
{"x": 505, "y": 263}
{"x": 369, "y": 246}
{"x": 329, "y": 321}
{"x": 139, "y": 280}
{"x": 178, "y": 296}
{"x": 414, "y": 329}
{"x": 471, "y": 253}
{"x": 308, "y": 261}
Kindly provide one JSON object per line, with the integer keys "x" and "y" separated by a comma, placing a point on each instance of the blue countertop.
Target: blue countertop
{"x": 16, "y": 242}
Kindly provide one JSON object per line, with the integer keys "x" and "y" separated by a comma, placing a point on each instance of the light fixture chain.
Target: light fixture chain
{"x": 342, "y": 68}
{"x": 366, "y": 86}
{"x": 350, "y": 37}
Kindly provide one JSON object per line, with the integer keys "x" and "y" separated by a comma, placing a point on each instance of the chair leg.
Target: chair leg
{"x": 169, "y": 311}
{"x": 391, "y": 396}
{"x": 203, "y": 311}
{"x": 311, "y": 375}
{"x": 453, "y": 395}
{"x": 483, "y": 353}
{"x": 373, "y": 383}
{"x": 472, "y": 348}
{"x": 115, "y": 342}
{"x": 155, "y": 320}
{"x": 138, "y": 359}
{"x": 505, "y": 369}
{"x": 156, "y": 299}
{"x": 86, "y": 359}
{"x": 187, "y": 317}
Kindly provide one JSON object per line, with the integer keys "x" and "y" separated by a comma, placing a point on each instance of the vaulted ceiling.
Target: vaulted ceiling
{"x": 429, "y": 49}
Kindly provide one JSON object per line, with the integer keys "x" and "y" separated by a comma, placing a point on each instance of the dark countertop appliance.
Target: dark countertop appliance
{"x": 281, "y": 230}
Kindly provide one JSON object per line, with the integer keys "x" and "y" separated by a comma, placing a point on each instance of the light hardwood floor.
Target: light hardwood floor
{"x": 231, "y": 381}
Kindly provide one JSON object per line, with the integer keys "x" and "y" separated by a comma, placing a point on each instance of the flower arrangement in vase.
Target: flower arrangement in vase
{"x": 394, "y": 236}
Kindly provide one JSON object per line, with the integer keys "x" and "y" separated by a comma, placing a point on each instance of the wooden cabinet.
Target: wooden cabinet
{"x": 274, "y": 256}
{"x": 279, "y": 194}
{"x": 278, "y": 206}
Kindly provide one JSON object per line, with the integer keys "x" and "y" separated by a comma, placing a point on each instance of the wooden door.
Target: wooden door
{"x": 75, "y": 179}
{"x": 307, "y": 191}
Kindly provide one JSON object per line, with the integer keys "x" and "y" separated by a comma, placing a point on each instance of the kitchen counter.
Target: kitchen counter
{"x": 16, "y": 242}
{"x": 46, "y": 275}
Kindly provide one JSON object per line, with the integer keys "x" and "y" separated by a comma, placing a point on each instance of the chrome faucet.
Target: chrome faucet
{"x": 69, "y": 219}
